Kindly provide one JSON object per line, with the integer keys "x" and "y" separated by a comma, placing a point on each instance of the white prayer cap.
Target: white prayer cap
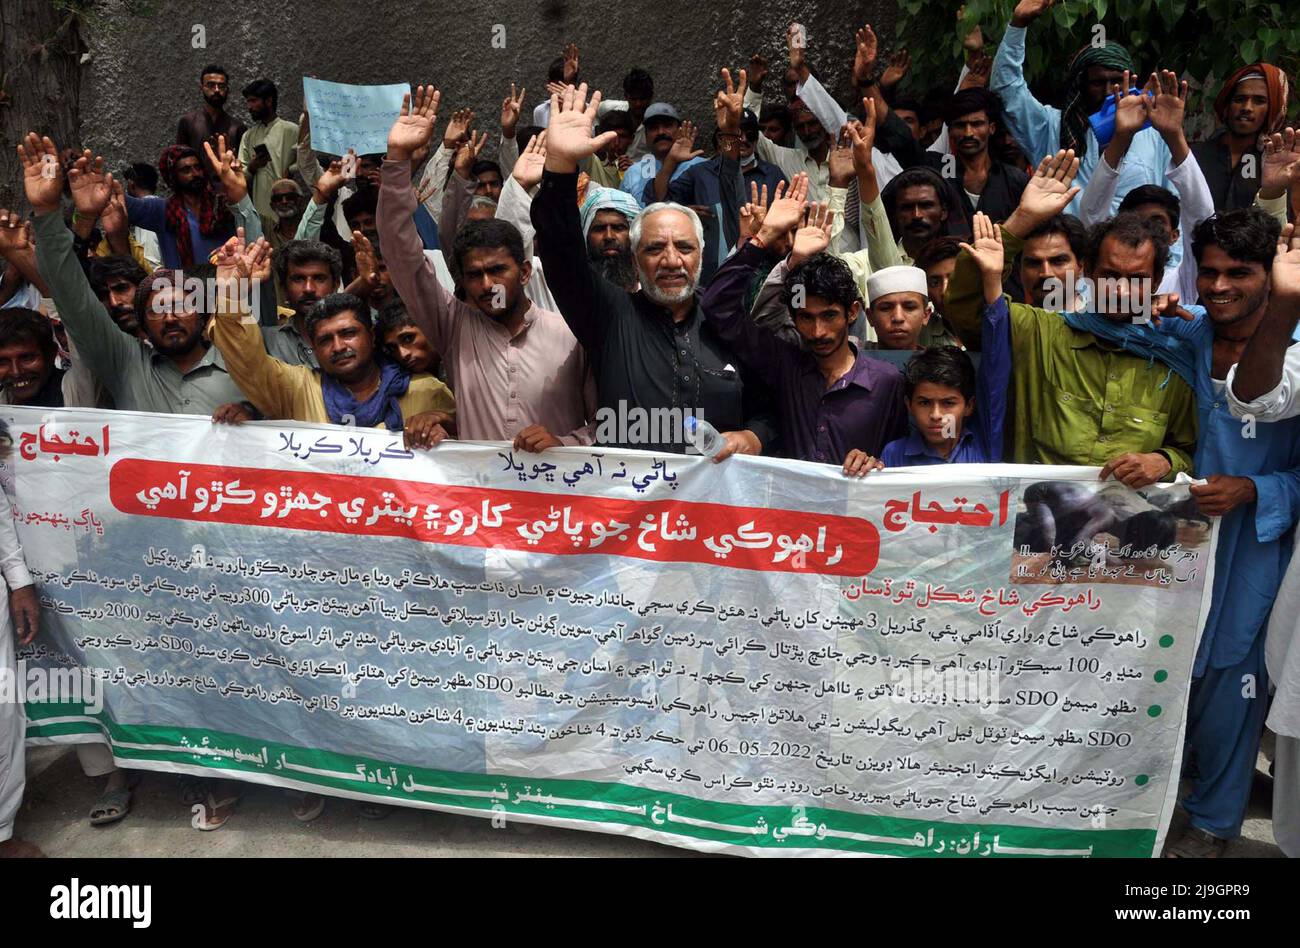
{"x": 896, "y": 280}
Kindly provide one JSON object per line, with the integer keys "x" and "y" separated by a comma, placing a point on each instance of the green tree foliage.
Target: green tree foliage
{"x": 1204, "y": 41}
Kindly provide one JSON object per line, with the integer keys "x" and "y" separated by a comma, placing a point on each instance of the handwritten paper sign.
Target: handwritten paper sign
{"x": 763, "y": 658}
{"x": 345, "y": 116}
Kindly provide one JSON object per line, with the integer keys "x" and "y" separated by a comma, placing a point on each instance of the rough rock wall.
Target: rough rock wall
{"x": 144, "y": 70}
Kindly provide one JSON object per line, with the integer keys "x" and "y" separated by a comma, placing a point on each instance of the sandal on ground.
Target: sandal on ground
{"x": 111, "y": 806}
{"x": 1195, "y": 844}
{"x": 308, "y": 807}
{"x": 214, "y": 813}
{"x": 374, "y": 811}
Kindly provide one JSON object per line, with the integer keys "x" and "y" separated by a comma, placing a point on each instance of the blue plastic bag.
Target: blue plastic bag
{"x": 1103, "y": 120}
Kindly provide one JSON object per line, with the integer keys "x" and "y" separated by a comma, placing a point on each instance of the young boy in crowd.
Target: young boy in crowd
{"x": 957, "y": 411}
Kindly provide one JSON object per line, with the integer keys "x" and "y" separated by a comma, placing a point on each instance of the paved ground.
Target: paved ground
{"x": 59, "y": 797}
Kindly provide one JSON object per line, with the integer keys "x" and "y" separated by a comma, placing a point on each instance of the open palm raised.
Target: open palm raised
{"x": 42, "y": 174}
{"x": 1281, "y": 165}
{"x": 1285, "y": 276}
{"x": 414, "y": 127}
{"x": 1050, "y": 190}
{"x": 569, "y": 138}
{"x": 91, "y": 186}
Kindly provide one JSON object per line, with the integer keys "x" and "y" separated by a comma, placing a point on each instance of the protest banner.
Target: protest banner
{"x": 759, "y": 657}
{"x": 347, "y": 116}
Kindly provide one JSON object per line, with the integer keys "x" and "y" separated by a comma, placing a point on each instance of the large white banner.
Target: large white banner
{"x": 761, "y": 656}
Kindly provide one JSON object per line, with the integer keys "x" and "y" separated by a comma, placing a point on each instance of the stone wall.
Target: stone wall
{"x": 144, "y": 70}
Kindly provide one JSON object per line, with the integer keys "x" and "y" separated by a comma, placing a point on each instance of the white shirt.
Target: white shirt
{"x": 12, "y": 563}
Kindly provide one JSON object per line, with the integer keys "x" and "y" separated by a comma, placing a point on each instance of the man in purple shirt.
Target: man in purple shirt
{"x": 837, "y": 405}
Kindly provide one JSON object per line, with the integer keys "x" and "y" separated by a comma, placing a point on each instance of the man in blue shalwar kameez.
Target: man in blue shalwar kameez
{"x": 1253, "y": 475}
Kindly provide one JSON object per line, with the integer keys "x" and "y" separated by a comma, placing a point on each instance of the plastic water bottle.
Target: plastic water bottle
{"x": 704, "y": 437}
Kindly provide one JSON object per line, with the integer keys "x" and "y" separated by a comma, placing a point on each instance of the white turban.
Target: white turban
{"x": 896, "y": 280}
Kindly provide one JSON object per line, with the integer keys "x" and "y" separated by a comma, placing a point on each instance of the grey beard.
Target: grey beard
{"x": 619, "y": 270}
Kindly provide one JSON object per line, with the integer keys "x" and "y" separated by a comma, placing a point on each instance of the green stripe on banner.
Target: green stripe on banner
{"x": 675, "y": 817}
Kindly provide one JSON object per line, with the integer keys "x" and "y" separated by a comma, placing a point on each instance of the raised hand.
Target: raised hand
{"x": 1048, "y": 193}
{"x": 42, "y": 173}
{"x": 414, "y": 126}
{"x": 532, "y": 160}
{"x": 511, "y": 106}
{"x": 569, "y": 138}
{"x": 1170, "y": 104}
{"x": 1280, "y": 168}
{"x": 757, "y": 70}
{"x": 683, "y": 149}
{"x": 367, "y": 259}
{"x": 570, "y": 55}
{"x": 1132, "y": 109}
{"x": 785, "y": 213}
{"x": 978, "y": 69}
{"x": 986, "y": 249}
{"x": 237, "y": 259}
{"x": 840, "y": 161}
{"x": 91, "y": 186}
{"x": 899, "y": 65}
{"x": 458, "y": 128}
{"x": 1027, "y": 11}
{"x": 863, "y": 136}
{"x": 469, "y": 152}
{"x": 229, "y": 170}
{"x": 753, "y": 211}
{"x": 15, "y": 234}
{"x": 330, "y": 180}
{"x": 796, "y": 39}
{"x": 864, "y": 57}
{"x": 113, "y": 219}
{"x": 814, "y": 235}
{"x": 730, "y": 102}
{"x": 1285, "y": 278}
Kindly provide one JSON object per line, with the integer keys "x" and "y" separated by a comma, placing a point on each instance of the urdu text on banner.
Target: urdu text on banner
{"x": 760, "y": 657}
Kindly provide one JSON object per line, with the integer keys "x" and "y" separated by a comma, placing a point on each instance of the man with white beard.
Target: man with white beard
{"x": 652, "y": 348}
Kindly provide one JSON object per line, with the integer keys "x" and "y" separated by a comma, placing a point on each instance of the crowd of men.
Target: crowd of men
{"x": 608, "y": 260}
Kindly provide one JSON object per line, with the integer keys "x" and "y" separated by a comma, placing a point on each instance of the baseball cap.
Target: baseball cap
{"x": 660, "y": 110}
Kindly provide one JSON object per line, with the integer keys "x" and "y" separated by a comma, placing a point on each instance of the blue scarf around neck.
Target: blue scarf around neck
{"x": 381, "y": 406}
{"x": 1143, "y": 340}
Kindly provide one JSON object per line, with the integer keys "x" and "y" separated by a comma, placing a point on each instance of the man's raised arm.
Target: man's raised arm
{"x": 586, "y": 301}
{"x": 430, "y": 304}
{"x": 1266, "y": 382}
{"x": 1035, "y": 127}
{"x": 105, "y": 348}
{"x": 267, "y": 382}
